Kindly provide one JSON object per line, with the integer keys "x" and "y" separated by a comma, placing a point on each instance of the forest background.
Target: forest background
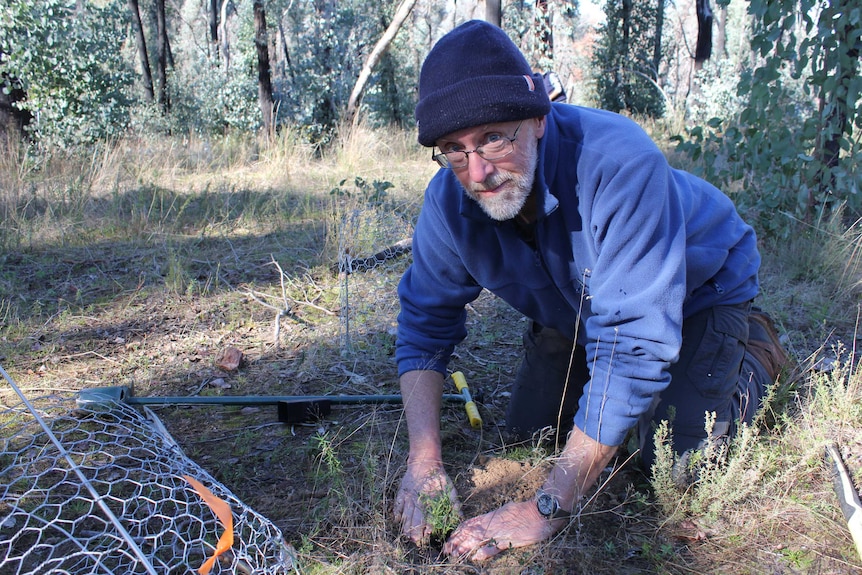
{"x": 173, "y": 172}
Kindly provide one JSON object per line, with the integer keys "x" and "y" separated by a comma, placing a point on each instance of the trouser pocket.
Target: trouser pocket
{"x": 714, "y": 359}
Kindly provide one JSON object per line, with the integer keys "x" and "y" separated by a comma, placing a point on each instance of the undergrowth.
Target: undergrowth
{"x": 138, "y": 262}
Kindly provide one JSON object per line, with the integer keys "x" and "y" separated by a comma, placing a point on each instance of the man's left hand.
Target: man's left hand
{"x": 513, "y": 525}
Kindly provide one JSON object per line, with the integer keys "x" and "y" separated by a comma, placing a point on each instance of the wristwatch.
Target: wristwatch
{"x": 549, "y": 506}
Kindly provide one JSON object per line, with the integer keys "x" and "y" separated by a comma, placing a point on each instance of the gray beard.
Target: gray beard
{"x": 508, "y": 203}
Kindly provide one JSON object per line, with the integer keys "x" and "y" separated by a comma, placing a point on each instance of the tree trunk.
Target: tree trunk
{"x": 494, "y": 12}
{"x": 13, "y": 120}
{"x": 721, "y": 33}
{"x": 544, "y": 37}
{"x": 225, "y": 41}
{"x": 378, "y": 51}
{"x": 162, "y": 56}
{"x": 659, "y": 30}
{"x": 626, "y": 17}
{"x": 703, "y": 50}
{"x": 264, "y": 79}
{"x": 212, "y": 16}
{"x": 149, "y": 94}
{"x": 286, "y": 49}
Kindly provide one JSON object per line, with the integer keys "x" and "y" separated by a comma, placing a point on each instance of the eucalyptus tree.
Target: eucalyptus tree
{"x": 380, "y": 49}
{"x": 162, "y": 56}
{"x": 494, "y": 12}
{"x": 14, "y": 120}
{"x": 264, "y": 76}
{"x": 792, "y": 147}
{"x": 329, "y": 44}
{"x": 143, "y": 55}
{"x": 67, "y": 57}
{"x": 627, "y": 58}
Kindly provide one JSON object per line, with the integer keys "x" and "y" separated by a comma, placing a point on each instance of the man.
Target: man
{"x": 638, "y": 279}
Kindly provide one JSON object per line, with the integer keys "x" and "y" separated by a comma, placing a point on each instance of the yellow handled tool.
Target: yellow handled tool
{"x": 469, "y": 405}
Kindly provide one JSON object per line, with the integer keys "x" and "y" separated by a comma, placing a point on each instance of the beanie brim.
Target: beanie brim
{"x": 480, "y": 100}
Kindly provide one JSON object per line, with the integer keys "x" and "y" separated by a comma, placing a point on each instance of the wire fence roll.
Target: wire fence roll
{"x": 103, "y": 489}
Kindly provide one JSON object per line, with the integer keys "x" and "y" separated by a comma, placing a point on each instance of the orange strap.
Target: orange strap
{"x": 222, "y": 510}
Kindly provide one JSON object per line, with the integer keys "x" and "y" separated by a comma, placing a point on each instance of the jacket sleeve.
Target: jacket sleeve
{"x": 435, "y": 288}
{"x": 637, "y": 288}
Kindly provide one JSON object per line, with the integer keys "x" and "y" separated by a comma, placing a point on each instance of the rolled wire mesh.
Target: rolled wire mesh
{"x": 51, "y": 521}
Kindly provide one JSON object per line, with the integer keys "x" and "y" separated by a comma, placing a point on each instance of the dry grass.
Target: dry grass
{"x": 138, "y": 263}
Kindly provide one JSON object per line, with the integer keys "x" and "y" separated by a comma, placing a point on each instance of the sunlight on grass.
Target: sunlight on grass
{"x": 133, "y": 263}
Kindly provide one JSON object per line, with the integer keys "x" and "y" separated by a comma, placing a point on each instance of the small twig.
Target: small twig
{"x": 279, "y": 313}
{"x": 235, "y": 435}
{"x": 255, "y": 297}
{"x": 200, "y": 388}
{"x": 310, "y": 280}
{"x": 276, "y": 327}
{"x": 317, "y": 307}
{"x": 281, "y": 277}
{"x": 288, "y": 304}
{"x": 83, "y": 353}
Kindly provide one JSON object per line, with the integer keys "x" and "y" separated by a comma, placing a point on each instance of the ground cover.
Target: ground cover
{"x": 148, "y": 283}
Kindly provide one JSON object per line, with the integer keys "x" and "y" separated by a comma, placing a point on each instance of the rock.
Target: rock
{"x": 229, "y": 359}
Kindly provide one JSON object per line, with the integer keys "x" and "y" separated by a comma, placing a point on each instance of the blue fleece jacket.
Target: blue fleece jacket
{"x": 624, "y": 248}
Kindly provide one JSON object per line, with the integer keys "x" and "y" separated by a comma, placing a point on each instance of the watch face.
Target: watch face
{"x": 547, "y": 504}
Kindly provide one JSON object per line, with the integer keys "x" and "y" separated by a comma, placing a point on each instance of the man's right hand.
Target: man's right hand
{"x": 423, "y": 479}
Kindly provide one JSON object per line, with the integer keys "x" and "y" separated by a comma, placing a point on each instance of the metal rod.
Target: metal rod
{"x": 124, "y": 394}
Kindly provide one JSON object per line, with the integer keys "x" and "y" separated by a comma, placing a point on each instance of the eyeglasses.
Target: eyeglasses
{"x": 496, "y": 148}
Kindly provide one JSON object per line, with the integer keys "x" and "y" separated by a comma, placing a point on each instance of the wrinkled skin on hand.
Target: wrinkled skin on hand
{"x": 513, "y": 525}
{"x": 428, "y": 478}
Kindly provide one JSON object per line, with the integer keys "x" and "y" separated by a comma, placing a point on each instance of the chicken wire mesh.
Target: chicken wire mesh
{"x": 101, "y": 488}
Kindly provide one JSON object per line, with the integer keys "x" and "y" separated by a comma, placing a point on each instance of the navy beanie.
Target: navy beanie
{"x": 476, "y": 75}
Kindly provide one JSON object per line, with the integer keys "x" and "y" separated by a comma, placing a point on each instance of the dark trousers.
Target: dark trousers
{"x": 713, "y": 374}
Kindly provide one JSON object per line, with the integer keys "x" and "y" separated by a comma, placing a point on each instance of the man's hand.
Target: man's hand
{"x": 521, "y": 524}
{"x": 423, "y": 479}
{"x": 513, "y": 525}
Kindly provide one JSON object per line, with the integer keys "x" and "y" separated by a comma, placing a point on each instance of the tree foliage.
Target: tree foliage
{"x": 97, "y": 67}
{"x": 628, "y": 56}
{"x": 792, "y": 146}
{"x": 68, "y": 58}
{"x": 779, "y": 118}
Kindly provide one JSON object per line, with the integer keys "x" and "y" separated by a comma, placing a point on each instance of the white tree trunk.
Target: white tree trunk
{"x": 378, "y": 51}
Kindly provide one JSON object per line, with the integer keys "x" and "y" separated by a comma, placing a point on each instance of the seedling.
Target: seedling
{"x": 440, "y": 514}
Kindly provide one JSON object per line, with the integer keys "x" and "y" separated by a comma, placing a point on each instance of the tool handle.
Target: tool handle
{"x": 469, "y": 405}
{"x": 460, "y": 381}
{"x": 473, "y": 414}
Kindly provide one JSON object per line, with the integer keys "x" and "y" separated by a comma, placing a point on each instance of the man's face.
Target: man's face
{"x": 501, "y": 187}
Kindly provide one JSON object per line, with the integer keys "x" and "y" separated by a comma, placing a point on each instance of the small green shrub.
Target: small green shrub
{"x": 440, "y": 514}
